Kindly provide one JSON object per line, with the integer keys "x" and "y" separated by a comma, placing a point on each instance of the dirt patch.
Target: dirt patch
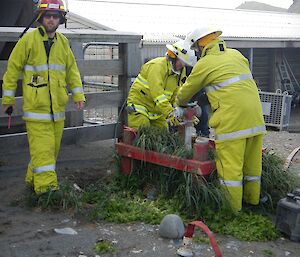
{"x": 25, "y": 232}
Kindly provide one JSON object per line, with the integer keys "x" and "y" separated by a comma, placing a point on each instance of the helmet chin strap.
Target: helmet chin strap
{"x": 172, "y": 62}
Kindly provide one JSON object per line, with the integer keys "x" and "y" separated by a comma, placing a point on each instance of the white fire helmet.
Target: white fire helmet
{"x": 199, "y": 33}
{"x": 182, "y": 51}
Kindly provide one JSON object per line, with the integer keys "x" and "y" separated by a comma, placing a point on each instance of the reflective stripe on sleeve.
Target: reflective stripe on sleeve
{"x": 8, "y": 93}
{"x": 240, "y": 133}
{"x": 77, "y": 90}
{"x": 142, "y": 81}
{"x": 227, "y": 82}
{"x": 161, "y": 98}
{"x": 231, "y": 183}
{"x": 143, "y": 110}
{"x": 252, "y": 178}
{"x": 168, "y": 94}
{"x": 45, "y": 168}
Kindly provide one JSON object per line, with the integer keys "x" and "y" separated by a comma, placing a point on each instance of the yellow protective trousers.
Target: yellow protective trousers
{"x": 44, "y": 142}
{"x": 239, "y": 166}
{"x": 137, "y": 120}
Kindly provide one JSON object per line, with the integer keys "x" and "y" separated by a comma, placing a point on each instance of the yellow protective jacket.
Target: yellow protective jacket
{"x": 45, "y": 79}
{"x": 231, "y": 91}
{"x": 154, "y": 90}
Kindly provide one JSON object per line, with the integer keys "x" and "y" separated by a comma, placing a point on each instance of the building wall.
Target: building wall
{"x": 262, "y": 62}
{"x": 293, "y": 58}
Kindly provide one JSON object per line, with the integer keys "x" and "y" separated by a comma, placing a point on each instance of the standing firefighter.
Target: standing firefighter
{"x": 151, "y": 96}
{"x": 47, "y": 64}
{"x": 237, "y": 114}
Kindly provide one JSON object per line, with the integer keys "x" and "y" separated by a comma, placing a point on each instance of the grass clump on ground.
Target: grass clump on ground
{"x": 276, "y": 182}
{"x": 150, "y": 192}
{"x": 104, "y": 246}
{"x": 66, "y": 198}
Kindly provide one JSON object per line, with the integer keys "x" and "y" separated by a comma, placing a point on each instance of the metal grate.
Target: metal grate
{"x": 276, "y": 108}
{"x": 100, "y": 51}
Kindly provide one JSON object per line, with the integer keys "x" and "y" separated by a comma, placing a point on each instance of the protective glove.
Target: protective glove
{"x": 195, "y": 120}
{"x": 178, "y": 112}
{"x": 173, "y": 120}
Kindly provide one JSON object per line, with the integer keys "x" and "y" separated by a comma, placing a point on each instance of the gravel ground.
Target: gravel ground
{"x": 30, "y": 233}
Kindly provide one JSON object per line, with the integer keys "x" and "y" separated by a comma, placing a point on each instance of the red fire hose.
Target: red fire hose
{"x": 190, "y": 231}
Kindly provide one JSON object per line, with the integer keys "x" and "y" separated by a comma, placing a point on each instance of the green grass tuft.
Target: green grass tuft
{"x": 64, "y": 198}
{"x": 104, "y": 246}
{"x": 150, "y": 192}
{"x": 276, "y": 182}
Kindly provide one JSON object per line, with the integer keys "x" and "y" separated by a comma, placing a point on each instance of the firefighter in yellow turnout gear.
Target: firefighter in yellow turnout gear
{"x": 237, "y": 114}
{"x": 152, "y": 95}
{"x": 48, "y": 65}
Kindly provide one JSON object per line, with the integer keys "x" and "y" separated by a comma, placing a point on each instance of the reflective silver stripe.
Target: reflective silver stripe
{"x": 228, "y": 82}
{"x": 77, "y": 90}
{"x": 240, "y": 133}
{"x": 43, "y": 168}
{"x": 36, "y": 68}
{"x": 143, "y": 81}
{"x": 168, "y": 94}
{"x": 231, "y": 183}
{"x": 59, "y": 116}
{"x": 8, "y": 93}
{"x": 57, "y": 67}
{"x": 43, "y": 116}
{"x": 143, "y": 110}
{"x": 44, "y": 67}
{"x": 252, "y": 178}
{"x": 153, "y": 115}
{"x": 161, "y": 98}
{"x": 38, "y": 116}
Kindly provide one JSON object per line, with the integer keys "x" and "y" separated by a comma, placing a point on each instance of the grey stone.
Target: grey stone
{"x": 171, "y": 227}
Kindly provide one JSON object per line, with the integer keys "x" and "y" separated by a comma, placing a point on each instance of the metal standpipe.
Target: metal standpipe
{"x": 193, "y": 110}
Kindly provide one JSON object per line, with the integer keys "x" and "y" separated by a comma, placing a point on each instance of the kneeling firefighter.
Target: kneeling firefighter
{"x": 151, "y": 96}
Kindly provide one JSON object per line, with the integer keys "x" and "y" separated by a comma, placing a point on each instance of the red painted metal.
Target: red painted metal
{"x": 171, "y": 161}
{"x": 190, "y": 231}
{"x": 201, "y": 149}
{"x": 129, "y": 135}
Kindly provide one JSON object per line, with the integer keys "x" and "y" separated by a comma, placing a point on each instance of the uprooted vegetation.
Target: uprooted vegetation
{"x": 150, "y": 192}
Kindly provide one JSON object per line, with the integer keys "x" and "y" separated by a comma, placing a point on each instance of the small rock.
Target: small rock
{"x": 136, "y": 251}
{"x": 65, "y": 231}
{"x": 171, "y": 227}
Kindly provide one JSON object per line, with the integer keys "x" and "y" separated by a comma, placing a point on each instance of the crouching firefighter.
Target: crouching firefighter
{"x": 152, "y": 94}
{"x": 48, "y": 65}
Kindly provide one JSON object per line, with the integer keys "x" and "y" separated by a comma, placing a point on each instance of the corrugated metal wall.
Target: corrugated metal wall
{"x": 262, "y": 67}
{"x": 151, "y": 51}
{"x": 293, "y": 57}
{"x": 262, "y": 62}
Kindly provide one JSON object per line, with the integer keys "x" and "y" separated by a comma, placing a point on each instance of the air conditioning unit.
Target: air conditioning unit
{"x": 276, "y": 108}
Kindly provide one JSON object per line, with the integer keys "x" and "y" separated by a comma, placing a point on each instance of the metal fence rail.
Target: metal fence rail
{"x": 123, "y": 64}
